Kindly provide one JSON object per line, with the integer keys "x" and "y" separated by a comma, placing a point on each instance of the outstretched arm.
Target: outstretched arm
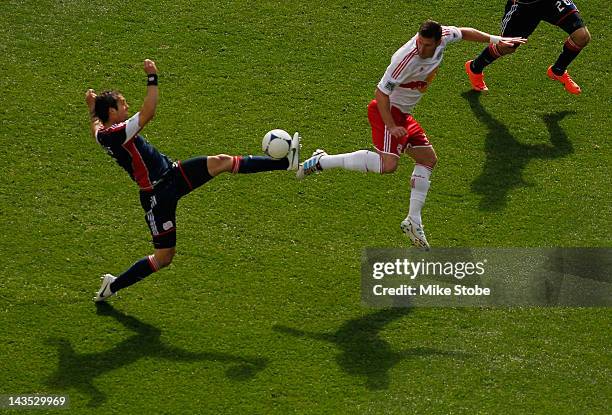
{"x": 147, "y": 111}
{"x": 95, "y": 123}
{"x": 468, "y": 33}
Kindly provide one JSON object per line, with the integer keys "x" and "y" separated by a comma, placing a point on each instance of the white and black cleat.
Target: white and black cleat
{"x": 294, "y": 152}
{"x": 311, "y": 165}
{"x": 415, "y": 232}
{"x": 105, "y": 291}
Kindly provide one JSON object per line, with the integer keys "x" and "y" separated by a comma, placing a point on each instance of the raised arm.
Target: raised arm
{"x": 95, "y": 123}
{"x": 147, "y": 111}
{"x": 473, "y": 35}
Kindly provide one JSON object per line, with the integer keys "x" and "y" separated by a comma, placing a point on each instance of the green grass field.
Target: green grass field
{"x": 260, "y": 311}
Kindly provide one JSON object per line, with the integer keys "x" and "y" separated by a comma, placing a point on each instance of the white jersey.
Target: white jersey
{"x": 408, "y": 76}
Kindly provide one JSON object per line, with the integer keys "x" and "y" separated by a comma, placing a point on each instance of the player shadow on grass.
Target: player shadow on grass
{"x": 79, "y": 370}
{"x": 364, "y": 353}
{"x": 506, "y": 157}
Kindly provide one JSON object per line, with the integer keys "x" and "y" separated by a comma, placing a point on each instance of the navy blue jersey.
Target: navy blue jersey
{"x": 143, "y": 162}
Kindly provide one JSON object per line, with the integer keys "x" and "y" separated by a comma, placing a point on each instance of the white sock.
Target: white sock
{"x": 362, "y": 160}
{"x": 419, "y": 183}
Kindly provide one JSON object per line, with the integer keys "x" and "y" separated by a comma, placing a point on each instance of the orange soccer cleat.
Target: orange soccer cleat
{"x": 476, "y": 79}
{"x": 569, "y": 84}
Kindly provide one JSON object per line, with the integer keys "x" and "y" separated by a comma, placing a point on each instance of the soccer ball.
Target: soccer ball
{"x": 276, "y": 144}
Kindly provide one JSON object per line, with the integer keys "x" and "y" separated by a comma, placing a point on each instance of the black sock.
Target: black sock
{"x": 570, "y": 51}
{"x": 256, "y": 164}
{"x": 141, "y": 269}
{"x": 486, "y": 57}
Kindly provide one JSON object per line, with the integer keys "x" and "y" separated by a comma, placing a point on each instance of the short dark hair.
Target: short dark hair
{"x": 431, "y": 29}
{"x": 104, "y": 102}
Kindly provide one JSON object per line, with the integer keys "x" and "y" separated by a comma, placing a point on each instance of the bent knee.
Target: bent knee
{"x": 221, "y": 158}
{"x": 164, "y": 261}
{"x": 432, "y": 161}
{"x": 219, "y": 164}
{"x": 428, "y": 159}
{"x": 389, "y": 165}
{"x": 164, "y": 258}
{"x": 389, "y": 169}
{"x": 581, "y": 37}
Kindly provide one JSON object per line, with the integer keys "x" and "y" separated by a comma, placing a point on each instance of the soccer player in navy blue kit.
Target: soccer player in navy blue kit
{"x": 162, "y": 182}
{"x": 521, "y": 19}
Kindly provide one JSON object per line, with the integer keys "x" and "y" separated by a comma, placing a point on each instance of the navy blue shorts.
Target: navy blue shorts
{"x": 521, "y": 19}
{"x": 160, "y": 203}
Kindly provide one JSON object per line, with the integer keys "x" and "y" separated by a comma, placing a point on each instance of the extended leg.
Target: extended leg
{"x": 138, "y": 271}
{"x": 571, "y": 48}
{"x": 425, "y": 160}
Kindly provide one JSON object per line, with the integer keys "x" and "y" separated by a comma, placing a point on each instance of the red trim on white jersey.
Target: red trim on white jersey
{"x": 398, "y": 70}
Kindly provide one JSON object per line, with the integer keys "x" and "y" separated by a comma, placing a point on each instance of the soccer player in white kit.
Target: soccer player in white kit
{"x": 394, "y": 130}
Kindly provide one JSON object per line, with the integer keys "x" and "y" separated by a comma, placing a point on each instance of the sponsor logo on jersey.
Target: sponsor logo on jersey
{"x": 389, "y": 86}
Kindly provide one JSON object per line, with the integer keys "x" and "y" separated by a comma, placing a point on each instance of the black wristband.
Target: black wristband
{"x": 152, "y": 79}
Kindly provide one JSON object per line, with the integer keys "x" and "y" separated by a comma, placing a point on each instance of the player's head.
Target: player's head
{"x": 428, "y": 38}
{"x": 111, "y": 106}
